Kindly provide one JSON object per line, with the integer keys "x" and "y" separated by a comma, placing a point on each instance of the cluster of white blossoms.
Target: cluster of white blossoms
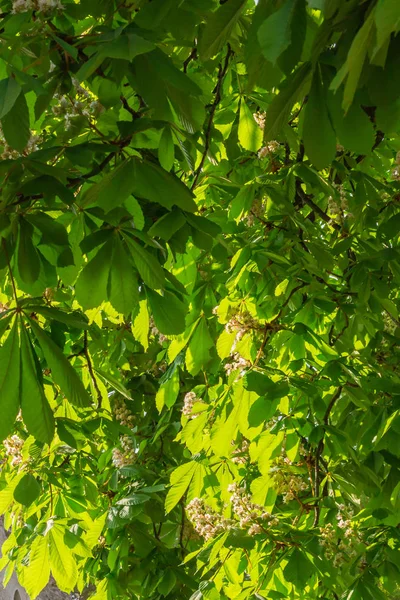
{"x": 122, "y": 414}
{"x": 337, "y": 209}
{"x": 39, "y": 6}
{"x": 396, "y": 169}
{"x": 389, "y": 324}
{"x": 238, "y": 363}
{"x": 240, "y": 455}
{"x": 257, "y": 211}
{"x": 84, "y": 104}
{"x": 206, "y": 521}
{"x": 240, "y": 324}
{"x": 251, "y": 516}
{"x": 156, "y": 333}
{"x": 286, "y": 482}
{"x": 189, "y": 400}
{"x": 341, "y": 545}
{"x": 259, "y": 118}
{"x": 126, "y": 455}
{"x": 9, "y": 153}
{"x": 13, "y": 447}
{"x": 270, "y": 148}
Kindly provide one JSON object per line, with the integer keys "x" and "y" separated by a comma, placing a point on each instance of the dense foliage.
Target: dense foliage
{"x": 200, "y": 268}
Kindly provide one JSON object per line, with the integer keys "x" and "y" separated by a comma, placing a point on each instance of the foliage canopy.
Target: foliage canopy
{"x": 199, "y": 272}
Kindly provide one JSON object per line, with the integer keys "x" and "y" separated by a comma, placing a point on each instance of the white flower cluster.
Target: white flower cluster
{"x": 341, "y": 546}
{"x": 270, "y": 148}
{"x": 389, "y": 324}
{"x": 156, "y": 333}
{"x": 189, "y": 400}
{"x": 240, "y": 323}
{"x": 396, "y": 169}
{"x": 206, "y": 522}
{"x": 13, "y": 447}
{"x": 335, "y": 209}
{"x": 257, "y": 211}
{"x": 84, "y": 104}
{"x": 259, "y": 118}
{"x": 238, "y": 363}
{"x": 10, "y": 153}
{"x": 240, "y": 455}
{"x": 286, "y": 482}
{"x": 251, "y": 516}
{"x": 39, "y": 6}
{"x": 122, "y": 414}
{"x": 126, "y": 455}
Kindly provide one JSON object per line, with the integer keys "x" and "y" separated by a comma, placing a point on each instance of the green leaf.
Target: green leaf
{"x": 9, "y": 381}
{"x": 114, "y": 383}
{"x": 250, "y": 135}
{"x": 299, "y": 569}
{"x": 62, "y": 372}
{"x": 15, "y": 124}
{"x": 140, "y": 326}
{"x": 355, "y": 61}
{"x": 28, "y": 259}
{"x": 123, "y": 285}
{"x": 274, "y": 35}
{"x": 219, "y": 27}
{"x": 113, "y": 189}
{"x": 155, "y": 184}
{"x": 354, "y": 130}
{"x": 278, "y": 111}
{"x": 27, "y": 490}
{"x": 52, "y": 231}
{"x": 9, "y": 92}
{"x": 72, "y": 319}
{"x": 167, "y": 582}
{"x": 198, "y": 352}
{"x": 387, "y": 20}
{"x": 318, "y": 134}
{"x": 36, "y": 575}
{"x": 36, "y": 412}
{"x": 147, "y": 265}
{"x": 168, "y": 312}
{"x": 180, "y": 481}
{"x": 169, "y": 224}
{"x": 168, "y": 392}
{"x": 62, "y": 563}
{"x": 166, "y": 150}
{"x": 91, "y": 287}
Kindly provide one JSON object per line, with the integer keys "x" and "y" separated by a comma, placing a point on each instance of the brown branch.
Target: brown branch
{"x": 222, "y": 70}
{"x": 306, "y": 199}
{"x": 90, "y": 368}
{"x": 192, "y": 56}
{"x": 317, "y": 475}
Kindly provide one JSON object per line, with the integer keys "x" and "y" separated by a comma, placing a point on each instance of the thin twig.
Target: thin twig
{"x": 192, "y": 56}
{"x": 222, "y": 70}
{"x": 91, "y": 371}
{"x": 317, "y": 509}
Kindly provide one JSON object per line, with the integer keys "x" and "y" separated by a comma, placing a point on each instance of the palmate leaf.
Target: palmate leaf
{"x": 180, "y": 481}
{"x": 27, "y": 490}
{"x": 62, "y": 372}
{"x": 91, "y": 287}
{"x": 219, "y": 27}
{"x": 123, "y": 288}
{"x": 147, "y": 265}
{"x": 15, "y": 124}
{"x": 62, "y": 563}
{"x": 36, "y": 412}
{"x": 36, "y": 575}
{"x": 9, "y": 381}
{"x": 168, "y": 312}
{"x": 9, "y": 92}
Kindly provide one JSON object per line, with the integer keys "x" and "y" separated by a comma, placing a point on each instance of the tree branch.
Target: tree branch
{"x": 222, "y": 70}
{"x": 317, "y": 475}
